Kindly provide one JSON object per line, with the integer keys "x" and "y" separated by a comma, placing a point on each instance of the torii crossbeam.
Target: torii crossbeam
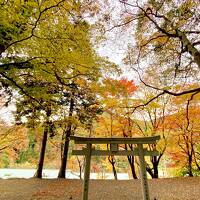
{"x": 114, "y": 150}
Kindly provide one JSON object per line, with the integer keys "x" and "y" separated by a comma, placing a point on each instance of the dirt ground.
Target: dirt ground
{"x": 59, "y": 189}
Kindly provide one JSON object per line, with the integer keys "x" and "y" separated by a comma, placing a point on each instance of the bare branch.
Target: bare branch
{"x": 120, "y": 25}
{"x": 148, "y": 102}
{"x": 154, "y": 38}
{"x": 196, "y": 90}
{"x": 187, "y": 110}
{"x": 2, "y": 148}
{"x": 192, "y": 32}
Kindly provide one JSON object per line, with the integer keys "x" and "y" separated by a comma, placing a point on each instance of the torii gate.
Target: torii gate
{"x": 114, "y": 150}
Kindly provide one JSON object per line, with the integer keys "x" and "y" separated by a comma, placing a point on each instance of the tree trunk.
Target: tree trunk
{"x": 62, "y": 170}
{"x": 150, "y": 171}
{"x": 38, "y": 173}
{"x": 80, "y": 167}
{"x": 114, "y": 171}
{"x": 80, "y": 172}
{"x": 190, "y": 173}
{"x": 190, "y": 47}
{"x": 131, "y": 161}
{"x": 112, "y": 162}
{"x": 153, "y": 172}
{"x": 155, "y": 162}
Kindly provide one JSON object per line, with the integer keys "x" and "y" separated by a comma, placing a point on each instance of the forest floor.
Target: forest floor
{"x": 64, "y": 189}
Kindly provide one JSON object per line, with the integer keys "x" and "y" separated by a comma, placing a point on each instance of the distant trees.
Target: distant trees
{"x": 13, "y": 139}
{"x": 185, "y": 131}
{"x": 126, "y": 115}
{"x": 83, "y": 107}
{"x": 152, "y": 123}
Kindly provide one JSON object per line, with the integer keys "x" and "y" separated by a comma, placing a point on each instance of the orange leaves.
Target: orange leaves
{"x": 119, "y": 88}
{"x": 117, "y": 96}
{"x": 129, "y": 86}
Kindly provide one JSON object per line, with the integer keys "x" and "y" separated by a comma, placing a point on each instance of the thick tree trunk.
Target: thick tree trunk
{"x": 153, "y": 172}
{"x": 62, "y": 170}
{"x": 190, "y": 47}
{"x": 38, "y": 173}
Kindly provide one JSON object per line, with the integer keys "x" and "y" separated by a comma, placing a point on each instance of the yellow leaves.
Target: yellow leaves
{"x": 14, "y": 137}
{"x": 31, "y": 4}
{"x": 159, "y": 39}
{"x": 181, "y": 22}
{"x": 154, "y": 105}
{"x": 90, "y": 7}
{"x": 186, "y": 6}
{"x": 111, "y": 102}
{"x": 184, "y": 12}
{"x": 81, "y": 82}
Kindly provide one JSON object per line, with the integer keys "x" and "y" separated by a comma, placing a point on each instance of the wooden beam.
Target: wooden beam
{"x": 87, "y": 172}
{"x": 145, "y": 188}
{"x": 114, "y": 147}
{"x": 135, "y": 140}
{"x": 135, "y": 152}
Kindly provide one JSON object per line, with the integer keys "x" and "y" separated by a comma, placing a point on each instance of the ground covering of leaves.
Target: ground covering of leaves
{"x": 161, "y": 189}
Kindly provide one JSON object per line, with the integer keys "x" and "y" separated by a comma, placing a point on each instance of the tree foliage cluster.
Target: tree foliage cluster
{"x": 48, "y": 58}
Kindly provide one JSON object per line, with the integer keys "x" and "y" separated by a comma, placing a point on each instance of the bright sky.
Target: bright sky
{"x": 117, "y": 41}
{"x": 6, "y": 113}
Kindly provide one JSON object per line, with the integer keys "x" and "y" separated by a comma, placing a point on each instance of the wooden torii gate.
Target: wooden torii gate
{"x": 114, "y": 150}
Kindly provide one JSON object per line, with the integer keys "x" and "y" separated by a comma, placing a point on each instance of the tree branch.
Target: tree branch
{"x": 187, "y": 110}
{"x": 19, "y": 65}
{"x": 20, "y": 88}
